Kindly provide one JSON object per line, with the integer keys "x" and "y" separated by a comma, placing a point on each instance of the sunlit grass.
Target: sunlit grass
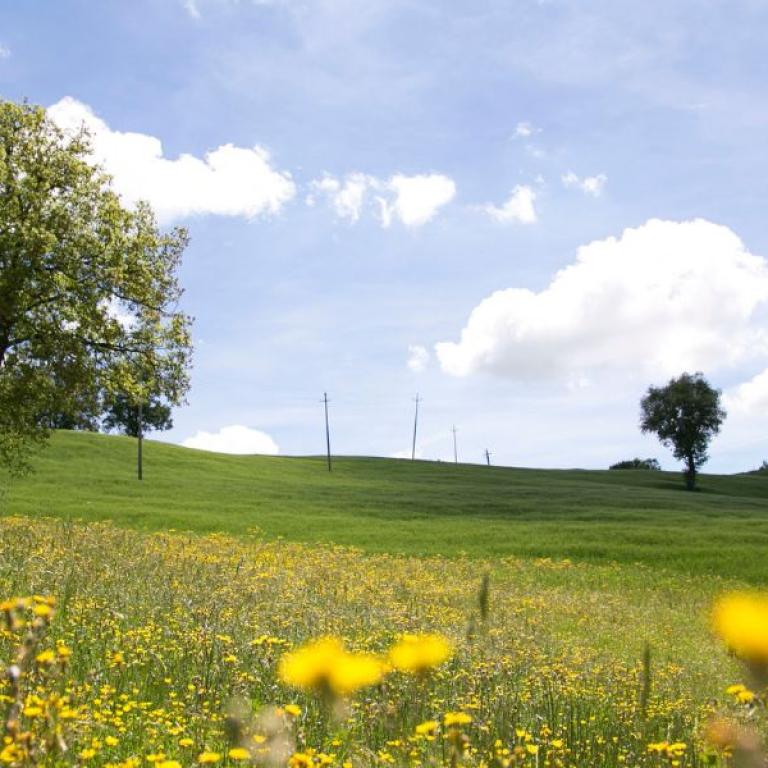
{"x": 419, "y": 508}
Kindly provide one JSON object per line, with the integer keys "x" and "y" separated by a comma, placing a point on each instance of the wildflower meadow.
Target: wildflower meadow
{"x": 124, "y": 648}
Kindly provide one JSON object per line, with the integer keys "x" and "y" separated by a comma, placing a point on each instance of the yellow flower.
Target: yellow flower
{"x": 457, "y": 718}
{"x": 63, "y": 651}
{"x": 239, "y": 753}
{"x": 294, "y": 710}
{"x": 11, "y": 753}
{"x": 209, "y": 757}
{"x": 741, "y": 620}
{"x": 44, "y": 610}
{"x": 168, "y": 764}
{"x": 419, "y": 653}
{"x": 427, "y": 728}
{"x": 87, "y": 754}
{"x": 326, "y": 666}
{"x": 45, "y": 657}
{"x": 186, "y": 742}
{"x": 300, "y": 760}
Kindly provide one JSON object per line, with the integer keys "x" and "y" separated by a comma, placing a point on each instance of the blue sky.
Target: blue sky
{"x": 360, "y": 178}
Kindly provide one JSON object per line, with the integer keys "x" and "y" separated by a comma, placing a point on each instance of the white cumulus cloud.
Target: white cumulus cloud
{"x": 590, "y": 185}
{"x": 411, "y": 200}
{"x": 518, "y": 207}
{"x": 417, "y": 198}
{"x": 749, "y": 398}
{"x": 5, "y": 51}
{"x": 418, "y": 358}
{"x": 662, "y": 298}
{"x": 233, "y": 439}
{"x": 228, "y": 181}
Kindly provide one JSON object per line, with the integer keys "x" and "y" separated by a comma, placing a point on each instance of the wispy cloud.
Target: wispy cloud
{"x": 590, "y": 185}
{"x": 411, "y": 200}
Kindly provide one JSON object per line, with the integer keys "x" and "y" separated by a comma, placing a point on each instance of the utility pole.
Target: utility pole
{"x": 415, "y": 425}
{"x": 487, "y": 457}
{"x": 327, "y": 431}
{"x": 455, "y": 451}
{"x": 140, "y": 435}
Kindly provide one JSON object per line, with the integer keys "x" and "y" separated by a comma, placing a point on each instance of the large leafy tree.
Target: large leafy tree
{"x": 88, "y": 288}
{"x": 685, "y": 414}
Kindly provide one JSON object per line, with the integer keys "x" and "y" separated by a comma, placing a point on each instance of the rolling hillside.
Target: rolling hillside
{"x": 386, "y": 505}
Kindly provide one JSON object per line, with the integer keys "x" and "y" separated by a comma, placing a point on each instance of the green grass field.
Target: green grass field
{"x": 415, "y": 508}
{"x": 179, "y": 595}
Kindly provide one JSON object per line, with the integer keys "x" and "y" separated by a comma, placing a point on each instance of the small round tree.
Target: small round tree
{"x": 685, "y": 414}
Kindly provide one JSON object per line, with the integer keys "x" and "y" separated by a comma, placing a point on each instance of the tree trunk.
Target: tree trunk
{"x": 690, "y": 474}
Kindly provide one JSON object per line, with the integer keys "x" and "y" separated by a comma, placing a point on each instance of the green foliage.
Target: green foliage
{"x": 411, "y": 507}
{"x": 122, "y": 415}
{"x": 637, "y": 464}
{"x": 685, "y": 414}
{"x": 88, "y": 289}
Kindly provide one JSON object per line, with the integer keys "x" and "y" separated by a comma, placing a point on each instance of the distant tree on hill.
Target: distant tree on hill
{"x": 685, "y": 414}
{"x": 88, "y": 288}
{"x": 637, "y": 464}
{"x": 122, "y": 415}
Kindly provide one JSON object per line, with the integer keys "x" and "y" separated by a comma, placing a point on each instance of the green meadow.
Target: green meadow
{"x": 411, "y": 508}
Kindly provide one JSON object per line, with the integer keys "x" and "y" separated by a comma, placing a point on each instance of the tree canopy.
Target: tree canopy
{"x": 685, "y": 414}
{"x": 88, "y": 288}
{"x": 122, "y": 415}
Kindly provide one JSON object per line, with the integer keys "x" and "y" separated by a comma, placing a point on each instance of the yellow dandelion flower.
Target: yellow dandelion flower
{"x": 168, "y": 764}
{"x": 294, "y": 710}
{"x": 44, "y": 610}
{"x": 186, "y": 742}
{"x": 741, "y": 621}
{"x": 427, "y": 728}
{"x": 208, "y": 757}
{"x": 456, "y": 718}
{"x": 419, "y": 653}
{"x": 239, "y": 753}
{"x": 326, "y": 666}
{"x": 45, "y": 657}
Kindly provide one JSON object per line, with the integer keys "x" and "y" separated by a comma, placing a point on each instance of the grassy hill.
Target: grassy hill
{"x": 387, "y": 505}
